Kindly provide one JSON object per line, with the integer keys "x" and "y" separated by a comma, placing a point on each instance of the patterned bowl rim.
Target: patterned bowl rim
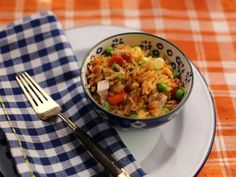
{"x": 160, "y": 118}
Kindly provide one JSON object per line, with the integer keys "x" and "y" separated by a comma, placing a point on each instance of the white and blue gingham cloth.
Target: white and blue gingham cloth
{"x": 38, "y": 45}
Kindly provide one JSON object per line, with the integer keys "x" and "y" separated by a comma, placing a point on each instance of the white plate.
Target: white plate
{"x": 178, "y": 148}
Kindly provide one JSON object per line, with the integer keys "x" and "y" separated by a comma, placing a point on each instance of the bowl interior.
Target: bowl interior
{"x": 158, "y": 46}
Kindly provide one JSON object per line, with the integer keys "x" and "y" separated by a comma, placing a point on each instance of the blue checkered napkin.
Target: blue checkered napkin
{"x": 38, "y": 45}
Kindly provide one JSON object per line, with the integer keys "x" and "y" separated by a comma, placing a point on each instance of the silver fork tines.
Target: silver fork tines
{"x": 41, "y": 102}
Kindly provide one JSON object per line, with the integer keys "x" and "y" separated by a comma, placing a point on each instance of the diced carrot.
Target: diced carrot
{"x": 116, "y": 98}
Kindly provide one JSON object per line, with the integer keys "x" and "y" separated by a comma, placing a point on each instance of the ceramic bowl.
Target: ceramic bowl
{"x": 158, "y": 47}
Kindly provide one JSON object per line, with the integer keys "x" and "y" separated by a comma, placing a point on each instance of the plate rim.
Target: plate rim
{"x": 214, "y": 118}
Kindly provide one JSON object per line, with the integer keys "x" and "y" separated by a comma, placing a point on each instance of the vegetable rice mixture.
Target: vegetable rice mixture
{"x": 130, "y": 82}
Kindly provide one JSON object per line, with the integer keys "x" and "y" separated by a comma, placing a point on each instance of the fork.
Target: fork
{"x": 46, "y": 108}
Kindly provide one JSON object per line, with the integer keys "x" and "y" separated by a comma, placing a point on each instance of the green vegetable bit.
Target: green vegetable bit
{"x": 179, "y": 94}
{"x": 142, "y": 61}
{"x": 162, "y": 87}
{"x": 106, "y": 106}
{"x": 115, "y": 67}
{"x": 108, "y": 51}
{"x": 133, "y": 115}
{"x": 176, "y": 74}
{"x": 158, "y": 63}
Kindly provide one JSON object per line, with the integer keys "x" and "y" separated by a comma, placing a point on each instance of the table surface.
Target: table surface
{"x": 205, "y": 30}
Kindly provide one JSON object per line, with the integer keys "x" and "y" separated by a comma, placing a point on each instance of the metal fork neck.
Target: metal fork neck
{"x": 67, "y": 121}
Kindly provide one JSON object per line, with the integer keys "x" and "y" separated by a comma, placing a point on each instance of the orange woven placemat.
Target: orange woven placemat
{"x": 205, "y": 30}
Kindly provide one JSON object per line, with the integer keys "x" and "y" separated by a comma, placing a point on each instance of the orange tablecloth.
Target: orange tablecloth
{"x": 204, "y": 29}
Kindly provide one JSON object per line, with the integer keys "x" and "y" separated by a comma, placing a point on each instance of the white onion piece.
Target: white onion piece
{"x": 102, "y": 88}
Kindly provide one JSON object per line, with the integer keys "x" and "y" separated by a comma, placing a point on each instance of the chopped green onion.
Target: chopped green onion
{"x": 106, "y": 106}
{"x": 162, "y": 87}
{"x": 108, "y": 51}
{"x": 176, "y": 74}
{"x": 133, "y": 115}
{"x": 142, "y": 61}
{"x": 158, "y": 63}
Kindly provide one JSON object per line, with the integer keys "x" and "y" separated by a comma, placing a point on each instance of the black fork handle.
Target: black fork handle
{"x": 96, "y": 150}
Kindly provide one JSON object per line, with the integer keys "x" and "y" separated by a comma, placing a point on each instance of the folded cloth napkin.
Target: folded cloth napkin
{"x": 38, "y": 45}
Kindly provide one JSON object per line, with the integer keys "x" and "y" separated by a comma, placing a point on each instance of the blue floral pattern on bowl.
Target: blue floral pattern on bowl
{"x": 159, "y": 47}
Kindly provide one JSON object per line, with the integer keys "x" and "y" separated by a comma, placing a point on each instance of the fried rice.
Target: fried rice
{"x": 130, "y": 82}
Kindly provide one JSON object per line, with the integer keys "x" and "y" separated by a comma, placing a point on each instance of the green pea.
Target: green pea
{"x": 133, "y": 115}
{"x": 162, "y": 87}
{"x": 179, "y": 94}
{"x": 106, "y": 106}
{"x": 176, "y": 74}
{"x": 109, "y": 50}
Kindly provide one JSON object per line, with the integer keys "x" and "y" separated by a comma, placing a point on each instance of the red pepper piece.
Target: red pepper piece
{"x": 116, "y": 98}
{"x": 116, "y": 59}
